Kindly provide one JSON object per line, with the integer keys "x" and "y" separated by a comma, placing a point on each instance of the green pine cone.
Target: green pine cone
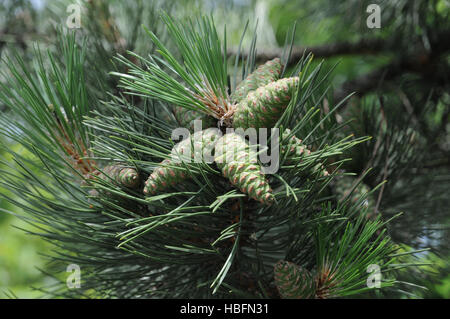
{"x": 187, "y": 117}
{"x": 293, "y": 281}
{"x": 170, "y": 172}
{"x": 263, "y": 107}
{"x": 123, "y": 176}
{"x": 343, "y": 186}
{"x": 293, "y": 148}
{"x": 264, "y": 74}
{"x": 237, "y": 160}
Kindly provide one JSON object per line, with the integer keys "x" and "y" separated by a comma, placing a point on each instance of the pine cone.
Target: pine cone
{"x": 293, "y": 148}
{"x": 123, "y": 176}
{"x": 343, "y": 186}
{"x": 187, "y": 117}
{"x": 264, "y": 74}
{"x": 170, "y": 172}
{"x": 263, "y": 107}
{"x": 293, "y": 281}
{"x": 237, "y": 160}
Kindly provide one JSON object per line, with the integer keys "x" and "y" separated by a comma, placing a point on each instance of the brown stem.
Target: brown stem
{"x": 364, "y": 46}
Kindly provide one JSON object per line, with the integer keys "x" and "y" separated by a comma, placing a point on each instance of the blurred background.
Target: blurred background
{"x": 400, "y": 61}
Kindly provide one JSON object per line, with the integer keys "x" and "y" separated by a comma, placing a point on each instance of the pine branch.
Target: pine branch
{"x": 421, "y": 62}
{"x": 369, "y": 82}
{"x": 204, "y": 71}
{"x": 364, "y": 46}
{"x": 203, "y": 237}
{"x": 426, "y": 64}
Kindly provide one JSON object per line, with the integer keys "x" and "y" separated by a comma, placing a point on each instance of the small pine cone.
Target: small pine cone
{"x": 293, "y": 148}
{"x": 263, "y": 107}
{"x": 343, "y": 187}
{"x": 264, "y": 74}
{"x": 170, "y": 172}
{"x": 237, "y": 160}
{"x": 187, "y": 117}
{"x": 293, "y": 281}
{"x": 123, "y": 176}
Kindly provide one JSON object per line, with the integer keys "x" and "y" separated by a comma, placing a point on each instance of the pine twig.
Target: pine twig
{"x": 363, "y": 46}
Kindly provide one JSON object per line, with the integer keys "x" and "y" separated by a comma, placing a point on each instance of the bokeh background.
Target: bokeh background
{"x": 406, "y": 60}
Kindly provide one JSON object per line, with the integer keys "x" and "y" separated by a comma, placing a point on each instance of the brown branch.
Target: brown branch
{"x": 420, "y": 62}
{"x": 424, "y": 63}
{"x": 364, "y": 46}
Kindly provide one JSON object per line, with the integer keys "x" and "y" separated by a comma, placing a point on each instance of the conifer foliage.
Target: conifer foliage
{"x": 200, "y": 217}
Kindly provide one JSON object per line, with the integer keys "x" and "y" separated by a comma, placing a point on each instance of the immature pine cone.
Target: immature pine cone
{"x": 170, "y": 172}
{"x": 123, "y": 176}
{"x": 187, "y": 117}
{"x": 238, "y": 162}
{"x": 264, "y": 74}
{"x": 294, "y": 149}
{"x": 293, "y": 281}
{"x": 263, "y": 107}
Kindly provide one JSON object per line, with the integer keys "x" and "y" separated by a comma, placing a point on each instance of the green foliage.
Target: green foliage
{"x": 342, "y": 266}
{"x": 22, "y": 254}
{"x": 204, "y": 69}
{"x": 343, "y": 260}
{"x": 21, "y": 259}
{"x": 204, "y": 236}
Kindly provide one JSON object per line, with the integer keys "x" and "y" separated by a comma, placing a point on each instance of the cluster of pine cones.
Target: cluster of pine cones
{"x": 259, "y": 101}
